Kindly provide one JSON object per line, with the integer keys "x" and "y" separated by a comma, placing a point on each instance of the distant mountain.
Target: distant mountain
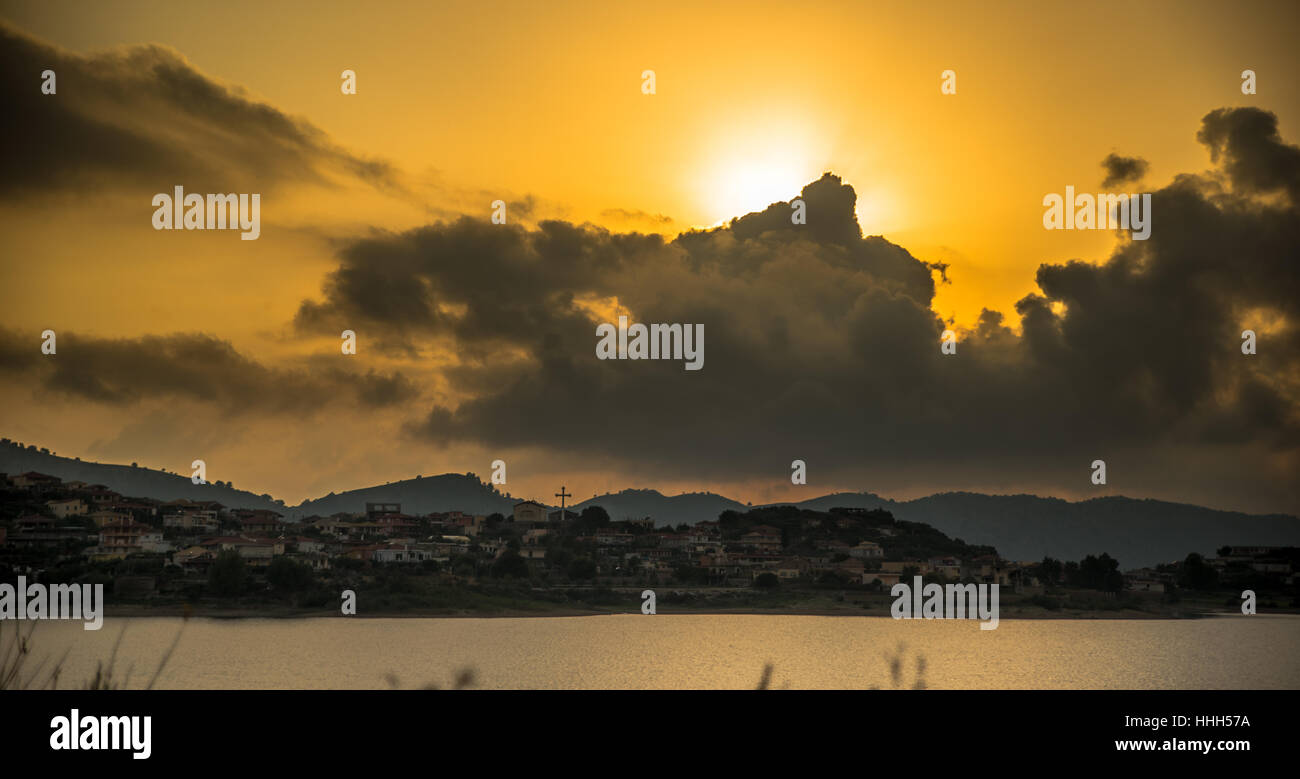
{"x": 421, "y": 495}
{"x": 1137, "y": 532}
{"x": 129, "y": 480}
{"x": 688, "y": 507}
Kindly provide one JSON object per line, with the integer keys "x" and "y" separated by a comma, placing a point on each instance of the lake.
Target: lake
{"x": 678, "y": 651}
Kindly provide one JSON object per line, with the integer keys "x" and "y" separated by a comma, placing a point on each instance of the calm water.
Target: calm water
{"x": 687, "y": 651}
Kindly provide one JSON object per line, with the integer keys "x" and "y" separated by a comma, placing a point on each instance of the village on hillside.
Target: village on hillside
{"x": 156, "y": 551}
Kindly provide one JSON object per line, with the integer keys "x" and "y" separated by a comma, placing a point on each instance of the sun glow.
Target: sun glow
{"x": 749, "y": 171}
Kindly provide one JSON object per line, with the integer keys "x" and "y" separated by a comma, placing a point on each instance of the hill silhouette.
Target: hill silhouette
{"x": 1137, "y": 532}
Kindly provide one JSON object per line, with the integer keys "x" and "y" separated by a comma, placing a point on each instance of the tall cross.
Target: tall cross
{"x": 562, "y": 495}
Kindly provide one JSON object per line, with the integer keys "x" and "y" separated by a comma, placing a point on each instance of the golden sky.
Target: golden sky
{"x": 470, "y": 102}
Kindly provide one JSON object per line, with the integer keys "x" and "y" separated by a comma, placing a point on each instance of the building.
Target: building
{"x": 763, "y": 537}
{"x": 403, "y": 553}
{"x": 124, "y": 539}
{"x": 105, "y": 517}
{"x": 374, "y": 510}
{"x": 36, "y": 482}
{"x": 867, "y": 550}
{"x": 255, "y": 551}
{"x": 69, "y": 507}
{"x": 259, "y": 522}
{"x": 886, "y": 578}
{"x": 193, "y": 521}
{"x": 529, "y": 511}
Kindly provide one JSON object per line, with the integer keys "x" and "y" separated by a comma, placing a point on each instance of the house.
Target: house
{"x": 529, "y": 511}
{"x": 257, "y": 552}
{"x": 36, "y": 482}
{"x": 898, "y": 566}
{"x": 984, "y": 568}
{"x": 68, "y": 507}
{"x": 607, "y": 536}
{"x": 124, "y": 539}
{"x": 394, "y": 524}
{"x": 258, "y": 521}
{"x": 763, "y": 537}
{"x": 194, "y": 558}
{"x": 867, "y": 550}
{"x": 306, "y": 545}
{"x": 467, "y": 524}
{"x": 100, "y": 496}
{"x": 947, "y": 567}
{"x": 886, "y": 578}
{"x": 789, "y": 568}
{"x": 317, "y": 561}
{"x": 374, "y": 510}
{"x": 400, "y": 554}
{"x": 104, "y": 517}
{"x": 193, "y": 521}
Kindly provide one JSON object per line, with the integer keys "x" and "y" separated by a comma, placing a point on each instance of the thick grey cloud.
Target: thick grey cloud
{"x": 194, "y": 367}
{"x": 144, "y": 117}
{"x": 1247, "y": 143}
{"x": 1122, "y": 170}
{"x": 822, "y": 343}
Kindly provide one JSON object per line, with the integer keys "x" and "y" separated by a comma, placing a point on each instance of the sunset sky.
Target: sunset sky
{"x": 476, "y": 341}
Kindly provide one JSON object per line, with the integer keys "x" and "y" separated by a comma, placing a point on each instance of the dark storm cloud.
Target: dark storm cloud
{"x": 1247, "y": 143}
{"x": 1122, "y": 170}
{"x": 188, "y": 367}
{"x": 634, "y": 215}
{"x": 143, "y": 116}
{"x": 820, "y": 342}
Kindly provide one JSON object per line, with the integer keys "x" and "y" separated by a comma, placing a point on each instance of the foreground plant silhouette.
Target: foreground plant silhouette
{"x": 16, "y": 652}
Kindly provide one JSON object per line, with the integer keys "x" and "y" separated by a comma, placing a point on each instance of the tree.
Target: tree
{"x": 288, "y": 576}
{"x": 1196, "y": 574}
{"x": 582, "y": 568}
{"x": 766, "y": 581}
{"x": 1049, "y": 571}
{"x": 227, "y": 576}
{"x": 1096, "y": 573}
{"x": 510, "y": 565}
{"x": 591, "y": 519}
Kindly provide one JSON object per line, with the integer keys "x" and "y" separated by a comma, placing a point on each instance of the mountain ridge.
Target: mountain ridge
{"x": 1137, "y": 531}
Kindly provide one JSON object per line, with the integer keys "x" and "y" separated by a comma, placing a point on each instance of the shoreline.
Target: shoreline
{"x": 287, "y": 613}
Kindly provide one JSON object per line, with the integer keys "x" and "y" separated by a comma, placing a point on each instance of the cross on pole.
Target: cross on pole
{"x": 562, "y": 495}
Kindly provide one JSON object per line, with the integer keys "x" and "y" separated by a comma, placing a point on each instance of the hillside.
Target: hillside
{"x": 689, "y": 507}
{"x": 130, "y": 480}
{"x": 1138, "y": 532}
{"x": 421, "y": 495}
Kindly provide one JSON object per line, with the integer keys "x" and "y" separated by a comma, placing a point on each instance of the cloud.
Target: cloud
{"x": 1122, "y": 170}
{"x": 144, "y": 117}
{"x": 196, "y": 367}
{"x": 636, "y": 216}
{"x": 1247, "y": 143}
{"x": 823, "y": 343}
